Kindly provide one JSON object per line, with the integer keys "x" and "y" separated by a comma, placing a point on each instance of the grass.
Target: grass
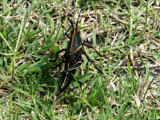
{"x": 125, "y": 32}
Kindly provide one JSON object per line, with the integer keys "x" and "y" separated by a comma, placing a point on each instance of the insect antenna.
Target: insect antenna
{"x": 66, "y": 15}
{"x": 78, "y": 18}
{"x": 70, "y": 22}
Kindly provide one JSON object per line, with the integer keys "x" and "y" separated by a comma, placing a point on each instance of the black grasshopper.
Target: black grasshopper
{"x": 73, "y": 55}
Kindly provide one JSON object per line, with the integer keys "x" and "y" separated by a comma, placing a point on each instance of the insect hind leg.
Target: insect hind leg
{"x": 74, "y": 66}
{"x": 92, "y": 62}
{"x": 92, "y": 48}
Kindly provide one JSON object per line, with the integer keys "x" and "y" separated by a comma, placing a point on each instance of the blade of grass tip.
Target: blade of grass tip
{"x": 11, "y": 105}
{"x": 158, "y": 15}
{"x": 88, "y": 104}
{"x": 78, "y": 85}
{"x": 108, "y": 111}
{"x": 94, "y": 37}
{"x": 16, "y": 48}
{"x": 94, "y": 7}
{"x": 114, "y": 48}
{"x": 122, "y": 110}
{"x": 146, "y": 18}
{"x": 55, "y": 38}
{"x": 108, "y": 13}
{"x": 98, "y": 91}
{"x": 147, "y": 78}
{"x": 30, "y": 83}
{"x": 37, "y": 83}
{"x": 35, "y": 108}
{"x": 106, "y": 40}
{"x": 120, "y": 40}
{"x": 147, "y": 72}
{"x": 22, "y": 26}
{"x": 43, "y": 108}
{"x": 6, "y": 42}
{"x": 148, "y": 88}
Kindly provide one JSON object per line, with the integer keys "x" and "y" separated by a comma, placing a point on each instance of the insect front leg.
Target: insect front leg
{"x": 57, "y": 55}
{"x": 58, "y": 64}
{"x": 56, "y": 59}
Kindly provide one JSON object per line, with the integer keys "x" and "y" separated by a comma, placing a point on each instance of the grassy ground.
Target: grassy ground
{"x": 125, "y": 32}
